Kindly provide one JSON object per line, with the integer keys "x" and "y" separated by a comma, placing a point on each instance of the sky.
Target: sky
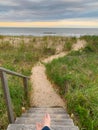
{"x": 49, "y": 13}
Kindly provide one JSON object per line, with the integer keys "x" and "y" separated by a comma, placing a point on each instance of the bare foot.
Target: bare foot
{"x": 46, "y": 120}
{"x": 39, "y": 126}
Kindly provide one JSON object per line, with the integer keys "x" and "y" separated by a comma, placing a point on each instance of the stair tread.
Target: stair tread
{"x": 22, "y": 120}
{"x": 57, "y": 119}
{"x": 49, "y": 110}
{"x": 32, "y": 127}
{"x": 41, "y": 115}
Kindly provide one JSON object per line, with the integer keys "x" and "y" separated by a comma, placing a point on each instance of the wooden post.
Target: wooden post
{"x": 7, "y": 97}
{"x": 25, "y": 82}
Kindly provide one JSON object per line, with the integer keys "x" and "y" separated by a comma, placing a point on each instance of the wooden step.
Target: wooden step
{"x": 32, "y": 127}
{"x": 46, "y": 110}
{"x": 41, "y": 115}
{"x": 22, "y": 120}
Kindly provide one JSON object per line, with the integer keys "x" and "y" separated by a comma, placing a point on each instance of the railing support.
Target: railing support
{"x": 25, "y": 82}
{"x": 4, "y": 81}
{"x": 7, "y": 97}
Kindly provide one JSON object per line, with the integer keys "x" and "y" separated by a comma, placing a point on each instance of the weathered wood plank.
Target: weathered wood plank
{"x": 25, "y": 82}
{"x": 7, "y": 97}
{"x": 11, "y": 72}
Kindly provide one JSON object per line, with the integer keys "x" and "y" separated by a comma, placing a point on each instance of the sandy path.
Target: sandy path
{"x": 49, "y": 59}
{"x": 43, "y": 93}
{"x": 80, "y": 44}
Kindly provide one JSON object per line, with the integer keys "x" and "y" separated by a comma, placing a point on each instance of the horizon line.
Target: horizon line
{"x": 43, "y": 27}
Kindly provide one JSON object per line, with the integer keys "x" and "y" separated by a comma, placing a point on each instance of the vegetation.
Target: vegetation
{"x": 69, "y": 42}
{"x": 76, "y": 76}
{"x": 20, "y": 53}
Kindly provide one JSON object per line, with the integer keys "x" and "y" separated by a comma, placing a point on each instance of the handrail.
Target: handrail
{"x": 12, "y": 72}
{"x": 4, "y": 81}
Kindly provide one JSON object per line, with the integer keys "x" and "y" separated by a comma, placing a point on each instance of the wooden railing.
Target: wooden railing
{"x": 5, "y": 87}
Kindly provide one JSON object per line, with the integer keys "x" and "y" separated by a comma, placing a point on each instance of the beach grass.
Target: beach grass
{"x": 76, "y": 77}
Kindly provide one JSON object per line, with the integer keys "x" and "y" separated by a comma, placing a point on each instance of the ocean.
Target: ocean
{"x": 48, "y": 31}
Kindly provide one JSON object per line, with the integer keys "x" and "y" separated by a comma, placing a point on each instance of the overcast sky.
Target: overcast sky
{"x": 48, "y": 10}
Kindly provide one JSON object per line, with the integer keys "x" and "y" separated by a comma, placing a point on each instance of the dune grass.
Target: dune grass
{"x": 14, "y": 59}
{"x": 76, "y": 76}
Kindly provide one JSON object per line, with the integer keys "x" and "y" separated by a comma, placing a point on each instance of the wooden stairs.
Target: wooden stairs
{"x": 60, "y": 120}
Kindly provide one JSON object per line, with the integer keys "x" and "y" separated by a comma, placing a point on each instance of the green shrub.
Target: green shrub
{"x": 67, "y": 46}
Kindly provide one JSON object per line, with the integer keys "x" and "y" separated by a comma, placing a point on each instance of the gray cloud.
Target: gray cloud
{"x": 47, "y": 10}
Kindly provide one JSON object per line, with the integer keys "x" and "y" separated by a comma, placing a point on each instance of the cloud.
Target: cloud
{"x": 47, "y": 10}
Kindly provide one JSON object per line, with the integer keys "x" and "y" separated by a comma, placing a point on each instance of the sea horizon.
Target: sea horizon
{"x": 44, "y": 31}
